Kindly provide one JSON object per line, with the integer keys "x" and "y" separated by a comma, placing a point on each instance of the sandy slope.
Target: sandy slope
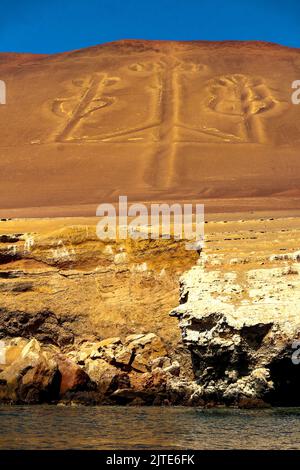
{"x": 154, "y": 120}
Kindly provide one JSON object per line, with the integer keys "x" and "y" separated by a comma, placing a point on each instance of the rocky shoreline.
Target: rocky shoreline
{"x": 86, "y": 322}
{"x": 137, "y": 371}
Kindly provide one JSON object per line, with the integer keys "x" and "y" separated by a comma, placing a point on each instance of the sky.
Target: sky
{"x": 50, "y": 26}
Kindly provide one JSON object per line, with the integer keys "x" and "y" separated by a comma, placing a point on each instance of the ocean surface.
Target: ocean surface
{"x": 52, "y": 427}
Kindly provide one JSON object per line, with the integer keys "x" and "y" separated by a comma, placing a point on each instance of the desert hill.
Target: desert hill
{"x": 154, "y": 120}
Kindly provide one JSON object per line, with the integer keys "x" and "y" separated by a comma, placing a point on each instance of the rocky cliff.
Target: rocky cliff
{"x": 240, "y": 320}
{"x": 84, "y": 320}
{"x": 87, "y": 321}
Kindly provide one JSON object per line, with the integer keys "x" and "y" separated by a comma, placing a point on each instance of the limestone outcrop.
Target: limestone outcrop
{"x": 240, "y": 321}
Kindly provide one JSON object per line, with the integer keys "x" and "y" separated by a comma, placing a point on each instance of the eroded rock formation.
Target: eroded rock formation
{"x": 85, "y": 321}
{"x": 137, "y": 371}
{"x": 240, "y": 321}
{"x": 61, "y": 284}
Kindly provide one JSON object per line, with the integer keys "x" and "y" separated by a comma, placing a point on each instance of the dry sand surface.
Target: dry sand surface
{"x": 173, "y": 121}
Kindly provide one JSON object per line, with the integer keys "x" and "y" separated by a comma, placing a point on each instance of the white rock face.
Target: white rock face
{"x": 240, "y": 325}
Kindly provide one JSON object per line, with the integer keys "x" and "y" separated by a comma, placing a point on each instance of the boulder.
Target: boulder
{"x": 146, "y": 348}
{"x": 73, "y": 377}
{"x": 101, "y": 373}
{"x": 124, "y": 358}
{"x": 173, "y": 369}
{"x": 32, "y": 377}
{"x": 109, "y": 342}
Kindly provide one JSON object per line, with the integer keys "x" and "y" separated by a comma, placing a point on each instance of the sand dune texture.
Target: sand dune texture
{"x": 152, "y": 120}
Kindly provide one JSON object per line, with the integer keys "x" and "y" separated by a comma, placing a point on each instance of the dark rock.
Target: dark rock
{"x": 44, "y": 326}
{"x": 73, "y": 377}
